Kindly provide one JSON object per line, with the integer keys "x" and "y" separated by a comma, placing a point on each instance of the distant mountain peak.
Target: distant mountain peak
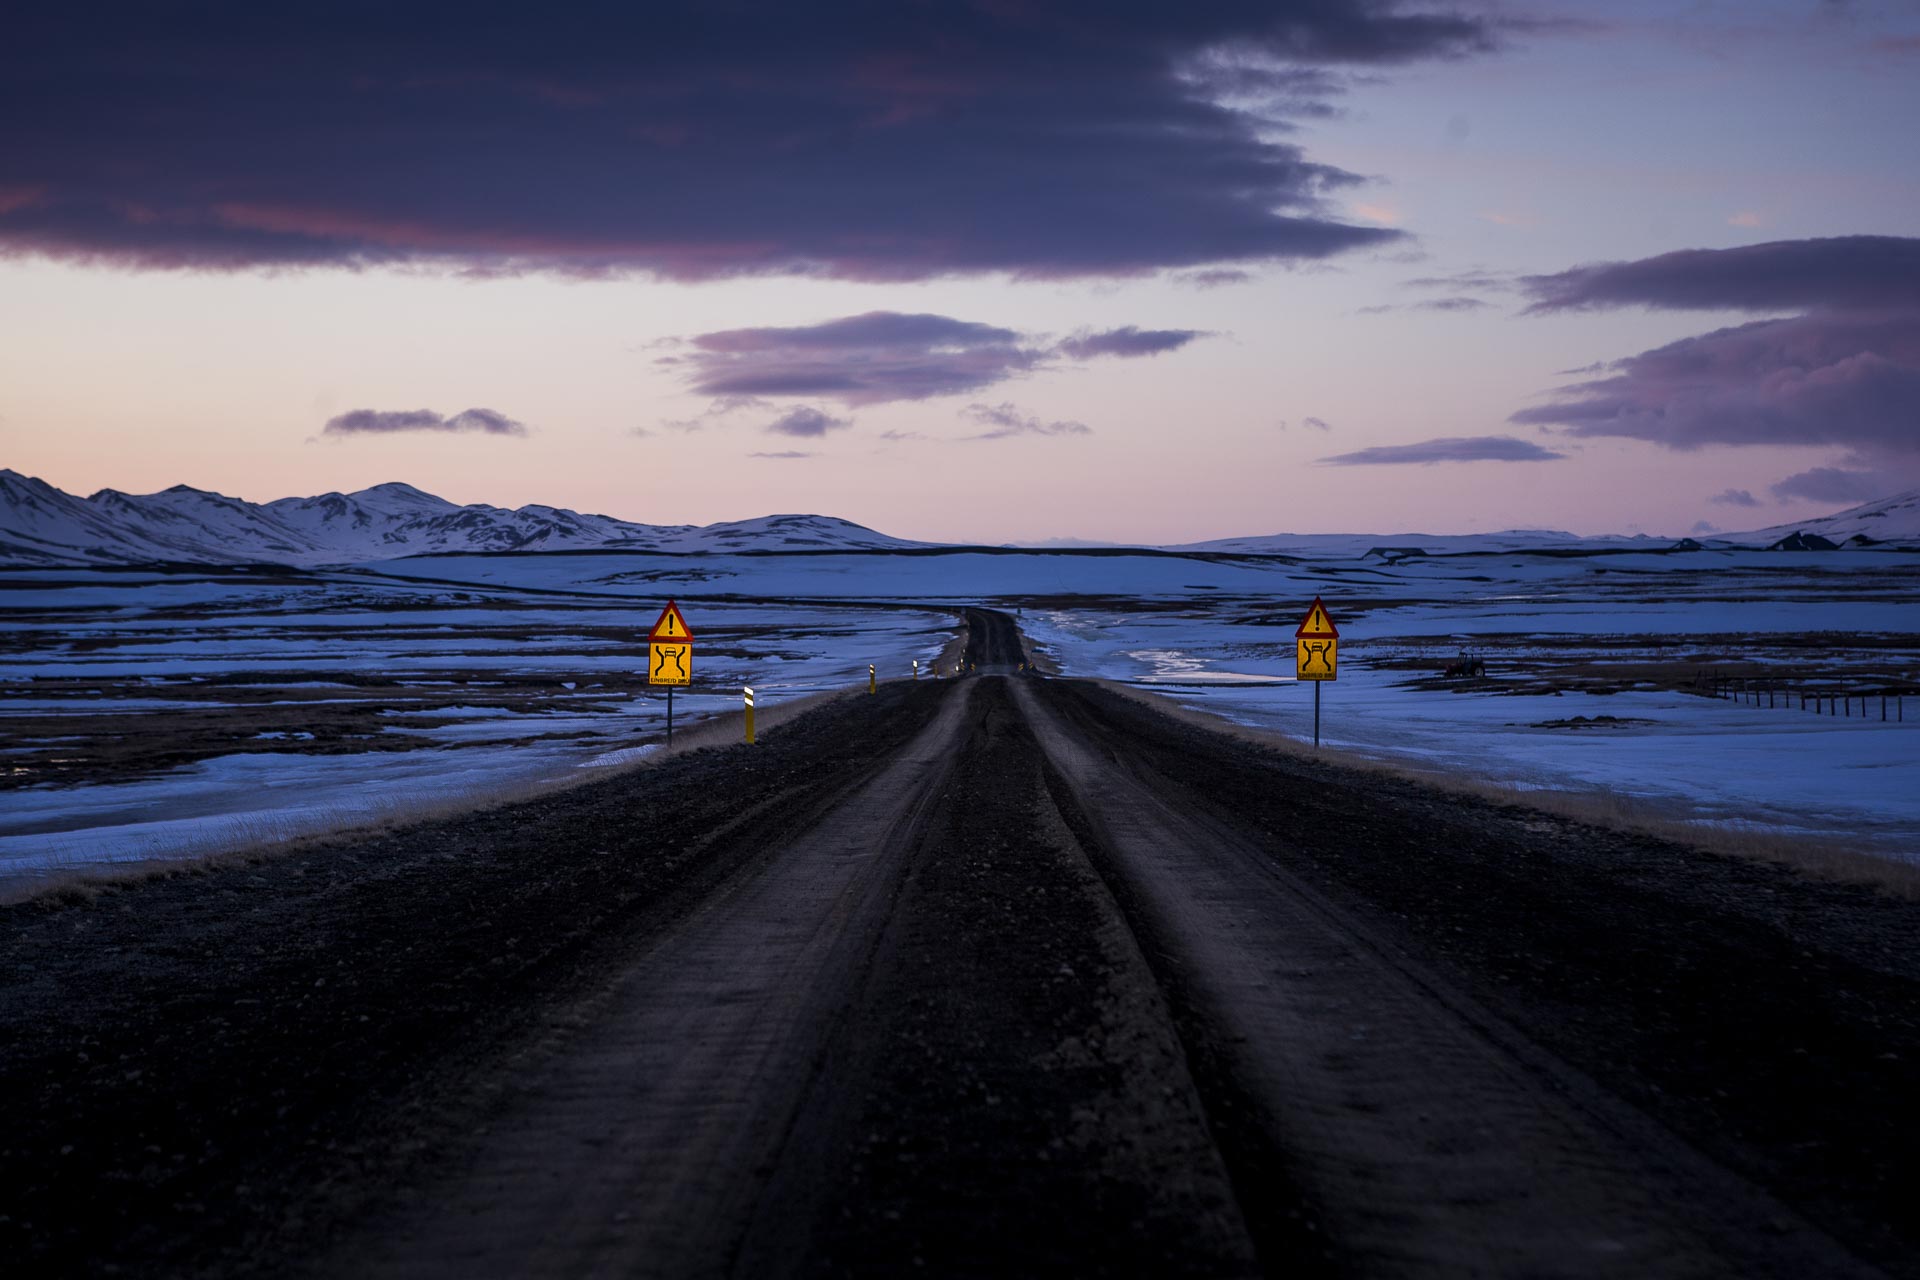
{"x": 40, "y": 524}
{"x": 1895, "y": 518}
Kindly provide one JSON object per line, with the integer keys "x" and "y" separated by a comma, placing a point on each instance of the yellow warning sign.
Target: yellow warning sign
{"x": 1319, "y": 623}
{"x": 669, "y": 663}
{"x": 671, "y": 625}
{"x": 1318, "y": 640}
{"x": 1317, "y": 659}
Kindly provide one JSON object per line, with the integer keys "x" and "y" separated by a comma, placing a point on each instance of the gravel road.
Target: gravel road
{"x": 997, "y": 975}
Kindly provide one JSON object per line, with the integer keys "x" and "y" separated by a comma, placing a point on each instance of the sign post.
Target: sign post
{"x": 1316, "y": 655}
{"x": 749, "y": 715}
{"x": 670, "y": 655}
{"x": 872, "y": 684}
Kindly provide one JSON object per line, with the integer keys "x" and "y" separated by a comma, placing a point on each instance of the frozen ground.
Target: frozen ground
{"x": 147, "y": 714}
{"x": 1594, "y": 680}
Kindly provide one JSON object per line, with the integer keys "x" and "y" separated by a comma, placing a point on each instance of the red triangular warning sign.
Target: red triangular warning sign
{"x": 672, "y": 625}
{"x": 1319, "y": 624}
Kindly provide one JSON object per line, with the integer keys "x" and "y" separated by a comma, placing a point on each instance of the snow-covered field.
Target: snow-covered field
{"x": 1596, "y": 669}
{"x": 147, "y": 714}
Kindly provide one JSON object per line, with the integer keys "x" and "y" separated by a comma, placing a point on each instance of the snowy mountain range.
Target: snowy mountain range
{"x": 42, "y": 525}
{"x": 1895, "y": 519}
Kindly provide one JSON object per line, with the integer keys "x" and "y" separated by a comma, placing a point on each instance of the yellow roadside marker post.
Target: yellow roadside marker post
{"x": 670, "y": 655}
{"x": 749, "y": 716}
{"x": 873, "y": 685}
{"x": 1316, "y": 655}
{"x": 916, "y": 668}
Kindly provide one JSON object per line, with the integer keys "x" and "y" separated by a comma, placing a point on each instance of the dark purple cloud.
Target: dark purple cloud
{"x": 1735, "y": 498}
{"x": 1214, "y": 278}
{"x": 1129, "y": 341}
{"x": 1831, "y": 485}
{"x": 867, "y": 331}
{"x": 807, "y": 421}
{"x": 1003, "y": 421}
{"x": 1318, "y": 424}
{"x": 1845, "y": 373}
{"x": 866, "y": 139}
{"x": 1472, "y": 278}
{"x": 1453, "y": 304}
{"x": 391, "y": 421}
{"x": 1842, "y": 272}
{"x": 784, "y": 453}
{"x": 865, "y": 359}
{"x": 1848, "y": 379}
{"x": 1446, "y": 449}
{"x": 883, "y": 356}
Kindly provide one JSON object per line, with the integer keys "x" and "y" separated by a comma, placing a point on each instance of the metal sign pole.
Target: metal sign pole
{"x": 669, "y": 715}
{"x": 1316, "y": 655}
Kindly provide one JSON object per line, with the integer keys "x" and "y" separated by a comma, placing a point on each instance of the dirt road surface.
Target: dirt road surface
{"x": 997, "y": 975}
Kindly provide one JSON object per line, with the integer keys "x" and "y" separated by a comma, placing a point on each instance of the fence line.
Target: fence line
{"x": 1770, "y": 694}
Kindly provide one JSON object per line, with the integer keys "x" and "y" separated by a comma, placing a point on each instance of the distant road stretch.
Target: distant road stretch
{"x": 990, "y": 976}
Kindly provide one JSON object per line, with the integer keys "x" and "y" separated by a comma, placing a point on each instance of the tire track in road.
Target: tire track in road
{"x": 1010, "y": 1097}
{"x": 1432, "y": 1141}
{"x": 639, "y": 1148}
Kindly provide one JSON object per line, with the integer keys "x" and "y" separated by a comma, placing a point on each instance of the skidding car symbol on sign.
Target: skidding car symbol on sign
{"x": 1318, "y": 641}
{"x": 671, "y": 664}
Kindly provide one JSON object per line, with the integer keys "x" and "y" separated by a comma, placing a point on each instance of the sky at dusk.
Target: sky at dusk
{"x": 991, "y": 272}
